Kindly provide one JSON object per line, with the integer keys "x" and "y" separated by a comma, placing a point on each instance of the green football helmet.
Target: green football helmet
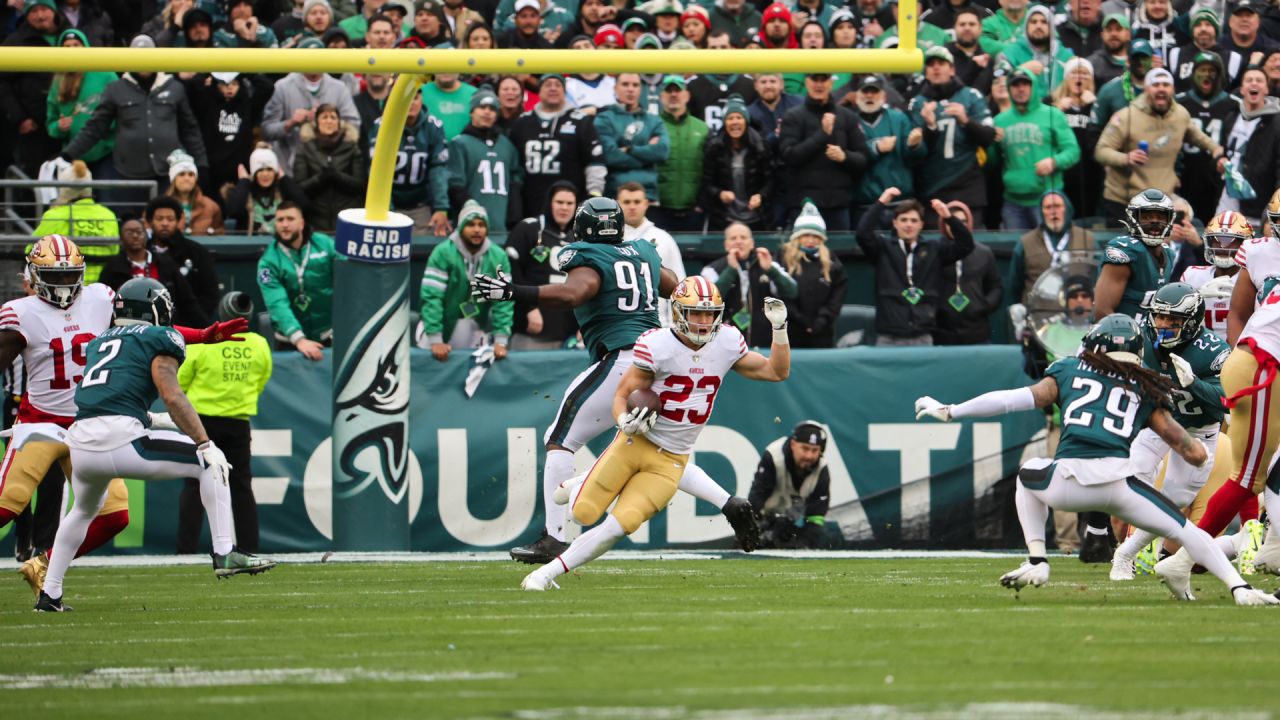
{"x": 1117, "y": 336}
{"x": 143, "y": 300}
{"x": 1182, "y": 304}
{"x": 599, "y": 220}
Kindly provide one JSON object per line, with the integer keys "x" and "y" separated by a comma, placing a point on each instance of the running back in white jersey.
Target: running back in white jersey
{"x": 1261, "y": 257}
{"x": 55, "y": 352}
{"x": 1217, "y": 298}
{"x": 686, "y": 380}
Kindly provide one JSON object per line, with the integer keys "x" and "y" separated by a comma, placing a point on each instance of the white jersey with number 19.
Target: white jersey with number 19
{"x": 55, "y": 351}
{"x": 687, "y": 380}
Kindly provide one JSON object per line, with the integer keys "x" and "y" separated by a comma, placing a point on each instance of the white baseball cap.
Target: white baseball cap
{"x": 522, "y": 4}
{"x": 1158, "y": 75}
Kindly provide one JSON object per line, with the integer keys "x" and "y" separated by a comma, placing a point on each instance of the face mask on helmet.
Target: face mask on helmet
{"x": 1220, "y": 250}
{"x": 697, "y": 310}
{"x": 60, "y": 286}
{"x": 1151, "y": 225}
{"x": 1171, "y": 331}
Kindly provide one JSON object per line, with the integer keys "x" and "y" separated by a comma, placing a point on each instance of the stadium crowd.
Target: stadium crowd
{"x": 1025, "y": 118}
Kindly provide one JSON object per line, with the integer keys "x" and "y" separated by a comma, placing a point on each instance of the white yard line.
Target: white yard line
{"x": 106, "y": 561}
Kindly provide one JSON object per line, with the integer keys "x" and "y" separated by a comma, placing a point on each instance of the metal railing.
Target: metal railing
{"x": 23, "y": 208}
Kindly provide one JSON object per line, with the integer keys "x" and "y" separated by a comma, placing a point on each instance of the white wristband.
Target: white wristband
{"x": 780, "y": 336}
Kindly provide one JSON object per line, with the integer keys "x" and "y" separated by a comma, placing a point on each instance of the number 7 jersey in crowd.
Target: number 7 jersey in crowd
{"x": 1101, "y": 414}
{"x": 687, "y": 380}
{"x": 54, "y": 354}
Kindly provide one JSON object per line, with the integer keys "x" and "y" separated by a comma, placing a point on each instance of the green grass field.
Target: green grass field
{"x": 753, "y": 637}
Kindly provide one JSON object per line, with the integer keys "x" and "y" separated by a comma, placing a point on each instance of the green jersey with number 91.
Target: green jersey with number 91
{"x": 627, "y": 302}
{"x": 117, "y": 378}
{"x": 1101, "y": 414}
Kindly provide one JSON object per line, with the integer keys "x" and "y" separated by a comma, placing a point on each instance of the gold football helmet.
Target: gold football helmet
{"x": 1223, "y": 236}
{"x": 1273, "y": 213}
{"x": 696, "y": 294}
{"x": 55, "y": 269}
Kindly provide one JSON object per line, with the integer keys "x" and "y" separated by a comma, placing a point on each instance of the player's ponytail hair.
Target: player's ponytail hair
{"x": 1152, "y": 386}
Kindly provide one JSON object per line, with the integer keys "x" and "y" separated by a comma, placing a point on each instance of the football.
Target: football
{"x": 644, "y": 398}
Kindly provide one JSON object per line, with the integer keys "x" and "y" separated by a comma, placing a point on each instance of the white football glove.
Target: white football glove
{"x": 1183, "y": 370}
{"x": 928, "y": 407}
{"x": 492, "y": 289}
{"x": 776, "y": 311}
{"x": 637, "y": 421}
{"x": 211, "y": 457}
{"x": 162, "y": 421}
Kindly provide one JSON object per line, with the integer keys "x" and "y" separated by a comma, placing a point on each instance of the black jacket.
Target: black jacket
{"x": 195, "y": 263}
{"x": 24, "y": 96}
{"x": 1082, "y": 40}
{"x": 895, "y": 316}
{"x": 803, "y": 146}
{"x": 117, "y": 270}
{"x": 1260, "y": 158}
{"x": 333, "y": 179}
{"x": 971, "y": 73}
{"x": 533, "y": 246}
{"x": 150, "y": 124}
{"x": 227, "y": 126}
{"x": 812, "y": 313}
{"x": 981, "y": 284}
{"x": 717, "y": 175}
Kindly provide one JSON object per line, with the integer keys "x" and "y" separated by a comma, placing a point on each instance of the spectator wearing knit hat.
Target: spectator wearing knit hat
{"x": 252, "y": 203}
{"x": 776, "y": 28}
{"x": 1209, "y": 104}
{"x": 737, "y": 172}
{"x": 200, "y": 214}
{"x": 1205, "y": 27}
{"x": 820, "y": 279}
{"x": 667, "y": 15}
{"x": 72, "y": 100}
{"x": 316, "y": 19}
{"x": 695, "y": 25}
{"x": 485, "y": 167}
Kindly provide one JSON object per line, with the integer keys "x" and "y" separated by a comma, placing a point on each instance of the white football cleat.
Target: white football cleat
{"x": 1026, "y": 574}
{"x": 1175, "y": 572}
{"x": 537, "y": 582}
{"x": 1122, "y": 568}
{"x": 1252, "y": 597}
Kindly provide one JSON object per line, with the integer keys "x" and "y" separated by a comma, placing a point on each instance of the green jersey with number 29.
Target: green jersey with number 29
{"x": 1101, "y": 414}
{"x": 117, "y": 378}
{"x": 627, "y": 302}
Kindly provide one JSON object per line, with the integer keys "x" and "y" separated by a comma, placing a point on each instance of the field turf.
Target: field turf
{"x": 672, "y": 638}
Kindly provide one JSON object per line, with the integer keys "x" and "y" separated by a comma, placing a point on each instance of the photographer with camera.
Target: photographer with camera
{"x": 791, "y": 492}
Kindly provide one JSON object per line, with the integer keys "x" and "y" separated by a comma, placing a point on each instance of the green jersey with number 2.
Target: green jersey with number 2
{"x": 627, "y": 302}
{"x": 1199, "y": 404}
{"x": 117, "y": 377}
{"x": 1101, "y": 414}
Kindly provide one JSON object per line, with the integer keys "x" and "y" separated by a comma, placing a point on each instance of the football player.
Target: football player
{"x": 1248, "y": 376}
{"x": 686, "y": 365}
{"x": 1107, "y": 397}
{"x": 50, "y": 331}
{"x": 1223, "y": 236}
{"x": 1133, "y": 266}
{"x": 1181, "y": 348}
{"x": 127, "y": 367}
{"x": 613, "y": 286}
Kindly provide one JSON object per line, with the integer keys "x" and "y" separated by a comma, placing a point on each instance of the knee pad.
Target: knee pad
{"x": 585, "y": 512}
{"x": 630, "y": 518}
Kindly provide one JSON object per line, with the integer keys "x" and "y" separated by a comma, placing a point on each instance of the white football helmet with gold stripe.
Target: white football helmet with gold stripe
{"x": 1223, "y": 236}
{"x": 55, "y": 269}
{"x": 696, "y": 293}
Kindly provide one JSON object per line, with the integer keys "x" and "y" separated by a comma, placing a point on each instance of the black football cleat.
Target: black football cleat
{"x": 1097, "y": 548}
{"x": 47, "y": 604}
{"x": 541, "y": 552}
{"x": 742, "y": 518}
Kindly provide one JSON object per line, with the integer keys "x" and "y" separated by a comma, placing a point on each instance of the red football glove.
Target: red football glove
{"x": 228, "y": 331}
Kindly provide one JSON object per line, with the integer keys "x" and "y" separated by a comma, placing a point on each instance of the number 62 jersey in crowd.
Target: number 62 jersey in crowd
{"x": 54, "y": 355}
{"x": 687, "y": 380}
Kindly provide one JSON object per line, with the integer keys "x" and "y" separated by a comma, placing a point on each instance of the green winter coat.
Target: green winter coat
{"x": 1019, "y": 52}
{"x": 299, "y": 308}
{"x": 628, "y": 152}
{"x": 1029, "y": 137}
{"x": 680, "y": 176}
{"x": 486, "y": 167}
{"x": 891, "y": 170}
{"x": 446, "y": 291}
{"x": 81, "y": 109}
{"x": 998, "y": 31}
